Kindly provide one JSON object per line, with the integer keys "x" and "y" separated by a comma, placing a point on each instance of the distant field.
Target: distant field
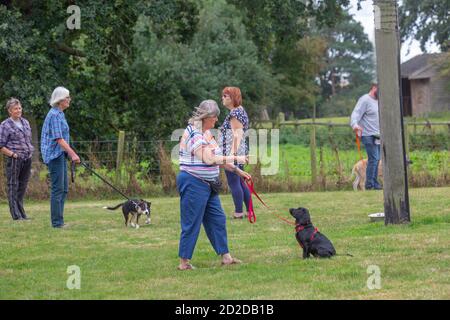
{"x": 443, "y": 117}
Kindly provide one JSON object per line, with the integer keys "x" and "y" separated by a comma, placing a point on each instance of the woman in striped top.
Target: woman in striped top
{"x": 200, "y": 159}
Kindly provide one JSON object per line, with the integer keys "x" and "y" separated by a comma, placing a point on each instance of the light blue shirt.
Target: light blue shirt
{"x": 55, "y": 127}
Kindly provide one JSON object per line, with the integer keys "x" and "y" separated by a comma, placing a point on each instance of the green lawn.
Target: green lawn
{"x": 118, "y": 263}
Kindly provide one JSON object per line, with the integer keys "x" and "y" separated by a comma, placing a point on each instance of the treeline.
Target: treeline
{"x": 142, "y": 66}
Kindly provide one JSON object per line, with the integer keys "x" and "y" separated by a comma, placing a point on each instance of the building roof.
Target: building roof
{"x": 421, "y": 66}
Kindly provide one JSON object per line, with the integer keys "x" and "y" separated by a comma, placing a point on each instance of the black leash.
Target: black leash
{"x": 100, "y": 177}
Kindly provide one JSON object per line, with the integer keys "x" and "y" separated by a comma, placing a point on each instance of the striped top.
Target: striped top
{"x": 191, "y": 141}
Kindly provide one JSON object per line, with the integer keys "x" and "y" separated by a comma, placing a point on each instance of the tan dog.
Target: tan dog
{"x": 359, "y": 170}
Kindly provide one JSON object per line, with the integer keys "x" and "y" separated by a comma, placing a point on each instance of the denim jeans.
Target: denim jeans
{"x": 59, "y": 188}
{"x": 198, "y": 205}
{"x": 373, "y": 154}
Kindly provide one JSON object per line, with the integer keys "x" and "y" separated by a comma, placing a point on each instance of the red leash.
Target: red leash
{"x": 251, "y": 212}
{"x": 358, "y": 144}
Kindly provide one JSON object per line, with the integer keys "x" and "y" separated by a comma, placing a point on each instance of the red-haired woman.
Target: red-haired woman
{"x": 232, "y": 141}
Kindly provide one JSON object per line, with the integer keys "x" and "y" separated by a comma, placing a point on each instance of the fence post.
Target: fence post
{"x": 120, "y": 150}
{"x": 313, "y": 157}
{"x": 405, "y": 125}
{"x": 323, "y": 178}
{"x": 280, "y": 120}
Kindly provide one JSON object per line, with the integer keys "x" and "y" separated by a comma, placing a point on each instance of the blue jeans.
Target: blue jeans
{"x": 199, "y": 205}
{"x": 239, "y": 190}
{"x": 59, "y": 188}
{"x": 373, "y": 154}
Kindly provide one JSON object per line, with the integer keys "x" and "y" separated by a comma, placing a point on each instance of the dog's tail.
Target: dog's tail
{"x": 113, "y": 208}
{"x": 344, "y": 254}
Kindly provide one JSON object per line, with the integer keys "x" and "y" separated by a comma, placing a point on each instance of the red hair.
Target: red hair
{"x": 235, "y": 95}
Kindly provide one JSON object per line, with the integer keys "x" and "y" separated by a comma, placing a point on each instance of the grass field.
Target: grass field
{"x": 118, "y": 263}
{"x": 296, "y": 161}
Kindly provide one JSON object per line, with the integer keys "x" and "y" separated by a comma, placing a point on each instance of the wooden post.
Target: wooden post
{"x": 323, "y": 177}
{"x": 120, "y": 150}
{"x": 280, "y": 120}
{"x": 313, "y": 158}
{"x": 406, "y": 139}
{"x": 313, "y": 151}
{"x": 396, "y": 198}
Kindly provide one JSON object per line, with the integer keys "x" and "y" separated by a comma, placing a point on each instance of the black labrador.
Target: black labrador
{"x": 310, "y": 239}
{"x": 134, "y": 209}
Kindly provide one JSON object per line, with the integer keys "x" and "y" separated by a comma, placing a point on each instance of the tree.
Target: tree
{"x": 426, "y": 20}
{"x": 349, "y": 67}
{"x": 281, "y": 29}
{"x": 349, "y": 57}
{"x": 171, "y": 77}
{"x": 38, "y": 52}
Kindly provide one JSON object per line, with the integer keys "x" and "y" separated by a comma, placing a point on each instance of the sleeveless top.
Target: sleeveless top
{"x": 226, "y": 133}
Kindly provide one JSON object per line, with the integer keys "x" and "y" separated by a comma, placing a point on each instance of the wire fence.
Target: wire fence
{"x": 289, "y": 161}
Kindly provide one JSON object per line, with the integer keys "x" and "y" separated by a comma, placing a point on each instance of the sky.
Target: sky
{"x": 366, "y": 18}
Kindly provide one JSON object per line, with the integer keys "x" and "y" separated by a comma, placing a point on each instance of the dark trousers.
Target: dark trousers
{"x": 239, "y": 190}
{"x": 17, "y": 175}
{"x": 59, "y": 188}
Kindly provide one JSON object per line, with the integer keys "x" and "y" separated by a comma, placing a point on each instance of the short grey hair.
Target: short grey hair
{"x": 207, "y": 108}
{"x": 60, "y": 93}
{"x": 12, "y": 102}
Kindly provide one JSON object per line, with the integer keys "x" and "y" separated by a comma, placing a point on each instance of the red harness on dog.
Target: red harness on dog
{"x": 299, "y": 227}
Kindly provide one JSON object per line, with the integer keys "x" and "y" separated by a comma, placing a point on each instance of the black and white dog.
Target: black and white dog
{"x": 134, "y": 209}
{"x": 309, "y": 238}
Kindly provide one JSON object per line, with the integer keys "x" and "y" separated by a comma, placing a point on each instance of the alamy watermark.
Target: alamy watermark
{"x": 374, "y": 279}
{"x": 74, "y": 21}
{"x": 263, "y": 146}
{"x": 74, "y": 279}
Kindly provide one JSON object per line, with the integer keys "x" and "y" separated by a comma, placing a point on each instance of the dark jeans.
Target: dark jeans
{"x": 59, "y": 188}
{"x": 373, "y": 154}
{"x": 239, "y": 190}
{"x": 17, "y": 175}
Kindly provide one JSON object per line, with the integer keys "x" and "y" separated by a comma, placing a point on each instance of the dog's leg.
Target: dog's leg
{"x": 356, "y": 183}
{"x": 129, "y": 219}
{"x": 306, "y": 252}
{"x": 363, "y": 182}
{"x": 133, "y": 217}
{"x": 137, "y": 220}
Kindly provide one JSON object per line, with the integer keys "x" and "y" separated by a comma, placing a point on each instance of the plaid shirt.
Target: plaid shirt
{"x": 55, "y": 127}
{"x": 15, "y": 139}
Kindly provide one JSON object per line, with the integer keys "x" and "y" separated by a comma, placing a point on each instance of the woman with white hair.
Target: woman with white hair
{"x": 198, "y": 184}
{"x": 55, "y": 147}
{"x": 15, "y": 143}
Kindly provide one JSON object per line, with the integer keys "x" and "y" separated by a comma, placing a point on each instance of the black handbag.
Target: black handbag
{"x": 216, "y": 185}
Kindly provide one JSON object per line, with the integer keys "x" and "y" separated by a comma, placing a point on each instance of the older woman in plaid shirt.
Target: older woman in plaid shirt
{"x": 15, "y": 143}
